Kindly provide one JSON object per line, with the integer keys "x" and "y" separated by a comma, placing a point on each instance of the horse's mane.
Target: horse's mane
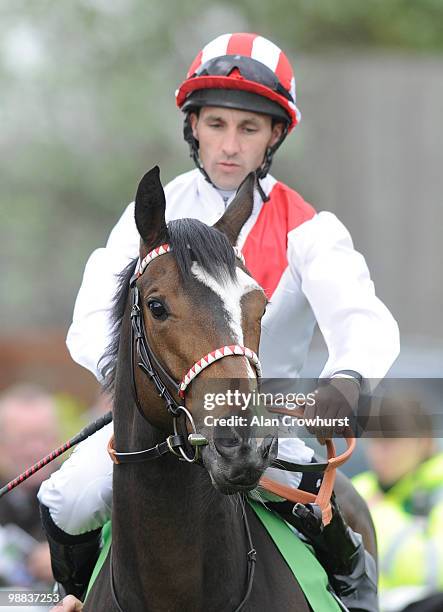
{"x": 191, "y": 241}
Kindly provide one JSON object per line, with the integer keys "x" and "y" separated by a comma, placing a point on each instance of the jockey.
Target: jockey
{"x": 239, "y": 105}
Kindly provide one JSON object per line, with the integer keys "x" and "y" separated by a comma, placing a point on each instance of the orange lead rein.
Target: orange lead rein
{"x": 323, "y": 497}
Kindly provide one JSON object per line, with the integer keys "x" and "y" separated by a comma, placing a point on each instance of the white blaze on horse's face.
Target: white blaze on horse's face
{"x": 230, "y": 292}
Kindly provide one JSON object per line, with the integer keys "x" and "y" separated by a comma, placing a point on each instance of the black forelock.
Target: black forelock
{"x": 193, "y": 241}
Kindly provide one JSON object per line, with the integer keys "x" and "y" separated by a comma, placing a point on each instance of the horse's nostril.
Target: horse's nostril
{"x": 226, "y": 440}
{"x": 226, "y": 444}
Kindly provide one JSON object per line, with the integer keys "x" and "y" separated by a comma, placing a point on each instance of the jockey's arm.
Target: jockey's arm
{"x": 90, "y": 330}
{"x": 360, "y": 333}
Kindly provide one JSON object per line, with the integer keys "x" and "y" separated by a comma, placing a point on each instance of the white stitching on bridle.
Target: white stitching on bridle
{"x": 161, "y": 250}
{"x": 224, "y": 351}
{"x": 165, "y": 248}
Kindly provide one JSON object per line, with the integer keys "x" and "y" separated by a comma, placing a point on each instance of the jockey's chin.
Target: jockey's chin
{"x": 228, "y": 175}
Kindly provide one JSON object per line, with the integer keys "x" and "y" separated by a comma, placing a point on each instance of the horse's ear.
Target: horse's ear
{"x": 238, "y": 211}
{"x": 150, "y": 207}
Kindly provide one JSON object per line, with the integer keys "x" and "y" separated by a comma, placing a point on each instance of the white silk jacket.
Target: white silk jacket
{"x": 305, "y": 262}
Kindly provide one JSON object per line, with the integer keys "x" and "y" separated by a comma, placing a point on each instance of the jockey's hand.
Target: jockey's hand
{"x": 69, "y": 604}
{"x": 335, "y": 399}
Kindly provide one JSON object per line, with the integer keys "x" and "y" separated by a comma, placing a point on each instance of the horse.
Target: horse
{"x": 182, "y": 536}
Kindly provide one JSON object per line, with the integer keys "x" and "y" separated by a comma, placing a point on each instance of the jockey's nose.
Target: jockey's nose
{"x": 231, "y": 145}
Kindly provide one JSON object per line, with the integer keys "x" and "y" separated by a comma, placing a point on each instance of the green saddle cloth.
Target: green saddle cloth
{"x": 301, "y": 560}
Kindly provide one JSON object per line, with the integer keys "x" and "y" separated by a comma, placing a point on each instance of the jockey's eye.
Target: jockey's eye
{"x": 157, "y": 309}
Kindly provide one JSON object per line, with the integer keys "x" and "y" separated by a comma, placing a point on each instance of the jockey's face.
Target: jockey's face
{"x": 232, "y": 143}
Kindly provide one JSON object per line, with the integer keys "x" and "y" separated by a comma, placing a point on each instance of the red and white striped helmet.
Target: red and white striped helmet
{"x": 243, "y": 62}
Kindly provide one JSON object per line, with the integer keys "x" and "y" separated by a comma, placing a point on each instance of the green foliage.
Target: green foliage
{"x": 319, "y": 25}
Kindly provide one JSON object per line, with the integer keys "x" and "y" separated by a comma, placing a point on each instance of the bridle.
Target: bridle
{"x": 318, "y": 507}
{"x": 163, "y": 381}
{"x": 177, "y": 443}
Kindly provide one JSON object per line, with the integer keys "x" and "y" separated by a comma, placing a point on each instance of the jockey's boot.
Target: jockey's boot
{"x": 73, "y": 557}
{"x": 351, "y": 569}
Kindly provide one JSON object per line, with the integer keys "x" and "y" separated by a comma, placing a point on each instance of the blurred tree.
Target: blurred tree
{"x": 319, "y": 25}
{"x": 87, "y": 106}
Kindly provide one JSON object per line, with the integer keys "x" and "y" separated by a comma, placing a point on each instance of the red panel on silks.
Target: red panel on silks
{"x": 265, "y": 247}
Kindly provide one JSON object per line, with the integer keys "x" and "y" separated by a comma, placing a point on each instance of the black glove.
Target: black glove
{"x": 336, "y": 398}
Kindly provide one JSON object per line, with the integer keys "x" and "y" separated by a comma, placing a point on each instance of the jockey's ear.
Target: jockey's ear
{"x": 150, "y": 207}
{"x": 238, "y": 211}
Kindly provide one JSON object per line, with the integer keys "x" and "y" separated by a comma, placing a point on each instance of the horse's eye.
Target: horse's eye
{"x": 157, "y": 309}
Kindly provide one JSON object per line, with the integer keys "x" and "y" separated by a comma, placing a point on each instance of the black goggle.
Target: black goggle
{"x": 250, "y": 69}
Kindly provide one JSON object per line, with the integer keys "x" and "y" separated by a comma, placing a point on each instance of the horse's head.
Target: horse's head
{"x": 196, "y": 298}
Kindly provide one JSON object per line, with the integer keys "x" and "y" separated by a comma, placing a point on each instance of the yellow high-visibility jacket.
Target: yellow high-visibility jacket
{"x": 408, "y": 521}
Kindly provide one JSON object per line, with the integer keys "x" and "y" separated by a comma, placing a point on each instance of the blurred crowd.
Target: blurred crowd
{"x": 403, "y": 488}
{"x": 29, "y": 429}
{"x": 32, "y": 424}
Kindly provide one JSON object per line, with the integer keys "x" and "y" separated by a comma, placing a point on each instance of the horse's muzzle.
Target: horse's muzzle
{"x": 237, "y": 464}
